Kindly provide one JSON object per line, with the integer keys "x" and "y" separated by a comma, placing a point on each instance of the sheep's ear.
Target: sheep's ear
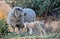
{"x": 24, "y": 14}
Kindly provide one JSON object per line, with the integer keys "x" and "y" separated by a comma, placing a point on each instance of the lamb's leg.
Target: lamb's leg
{"x": 27, "y": 30}
{"x": 30, "y": 31}
{"x": 42, "y": 32}
{"x": 19, "y": 31}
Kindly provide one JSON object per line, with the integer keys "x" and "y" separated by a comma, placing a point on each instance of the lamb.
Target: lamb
{"x": 39, "y": 25}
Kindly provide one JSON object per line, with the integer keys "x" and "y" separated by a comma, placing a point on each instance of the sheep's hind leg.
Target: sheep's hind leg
{"x": 13, "y": 29}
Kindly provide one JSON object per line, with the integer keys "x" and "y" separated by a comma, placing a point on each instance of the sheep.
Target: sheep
{"x": 39, "y": 25}
{"x": 30, "y": 15}
{"x": 17, "y": 16}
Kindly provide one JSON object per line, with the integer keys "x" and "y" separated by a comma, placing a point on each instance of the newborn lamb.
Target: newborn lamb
{"x": 35, "y": 26}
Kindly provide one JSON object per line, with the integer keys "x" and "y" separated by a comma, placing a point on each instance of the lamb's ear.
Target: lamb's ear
{"x": 24, "y": 14}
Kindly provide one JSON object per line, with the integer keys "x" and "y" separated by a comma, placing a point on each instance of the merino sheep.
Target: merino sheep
{"x": 30, "y": 15}
{"x": 18, "y": 16}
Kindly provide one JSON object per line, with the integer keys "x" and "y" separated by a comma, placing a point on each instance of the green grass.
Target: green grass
{"x": 48, "y": 36}
{"x": 3, "y": 29}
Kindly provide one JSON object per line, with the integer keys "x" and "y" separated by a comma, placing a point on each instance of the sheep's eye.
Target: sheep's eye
{"x": 19, "y": 9}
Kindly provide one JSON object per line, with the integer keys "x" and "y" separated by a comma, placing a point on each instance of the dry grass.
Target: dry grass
{"x": 4, "y": 9}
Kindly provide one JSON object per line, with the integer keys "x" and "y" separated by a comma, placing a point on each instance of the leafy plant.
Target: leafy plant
{"x": 39, "y": 6}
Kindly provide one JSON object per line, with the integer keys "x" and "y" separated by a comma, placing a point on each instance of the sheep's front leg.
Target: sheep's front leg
{"x": 13, "y": 29}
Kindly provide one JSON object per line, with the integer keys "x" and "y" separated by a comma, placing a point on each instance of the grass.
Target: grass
{"x": 48, "y": 36}
{"x": 24, "y": 35}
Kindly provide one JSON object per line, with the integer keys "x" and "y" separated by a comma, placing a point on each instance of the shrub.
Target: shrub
{"x": 39, "y": 6}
